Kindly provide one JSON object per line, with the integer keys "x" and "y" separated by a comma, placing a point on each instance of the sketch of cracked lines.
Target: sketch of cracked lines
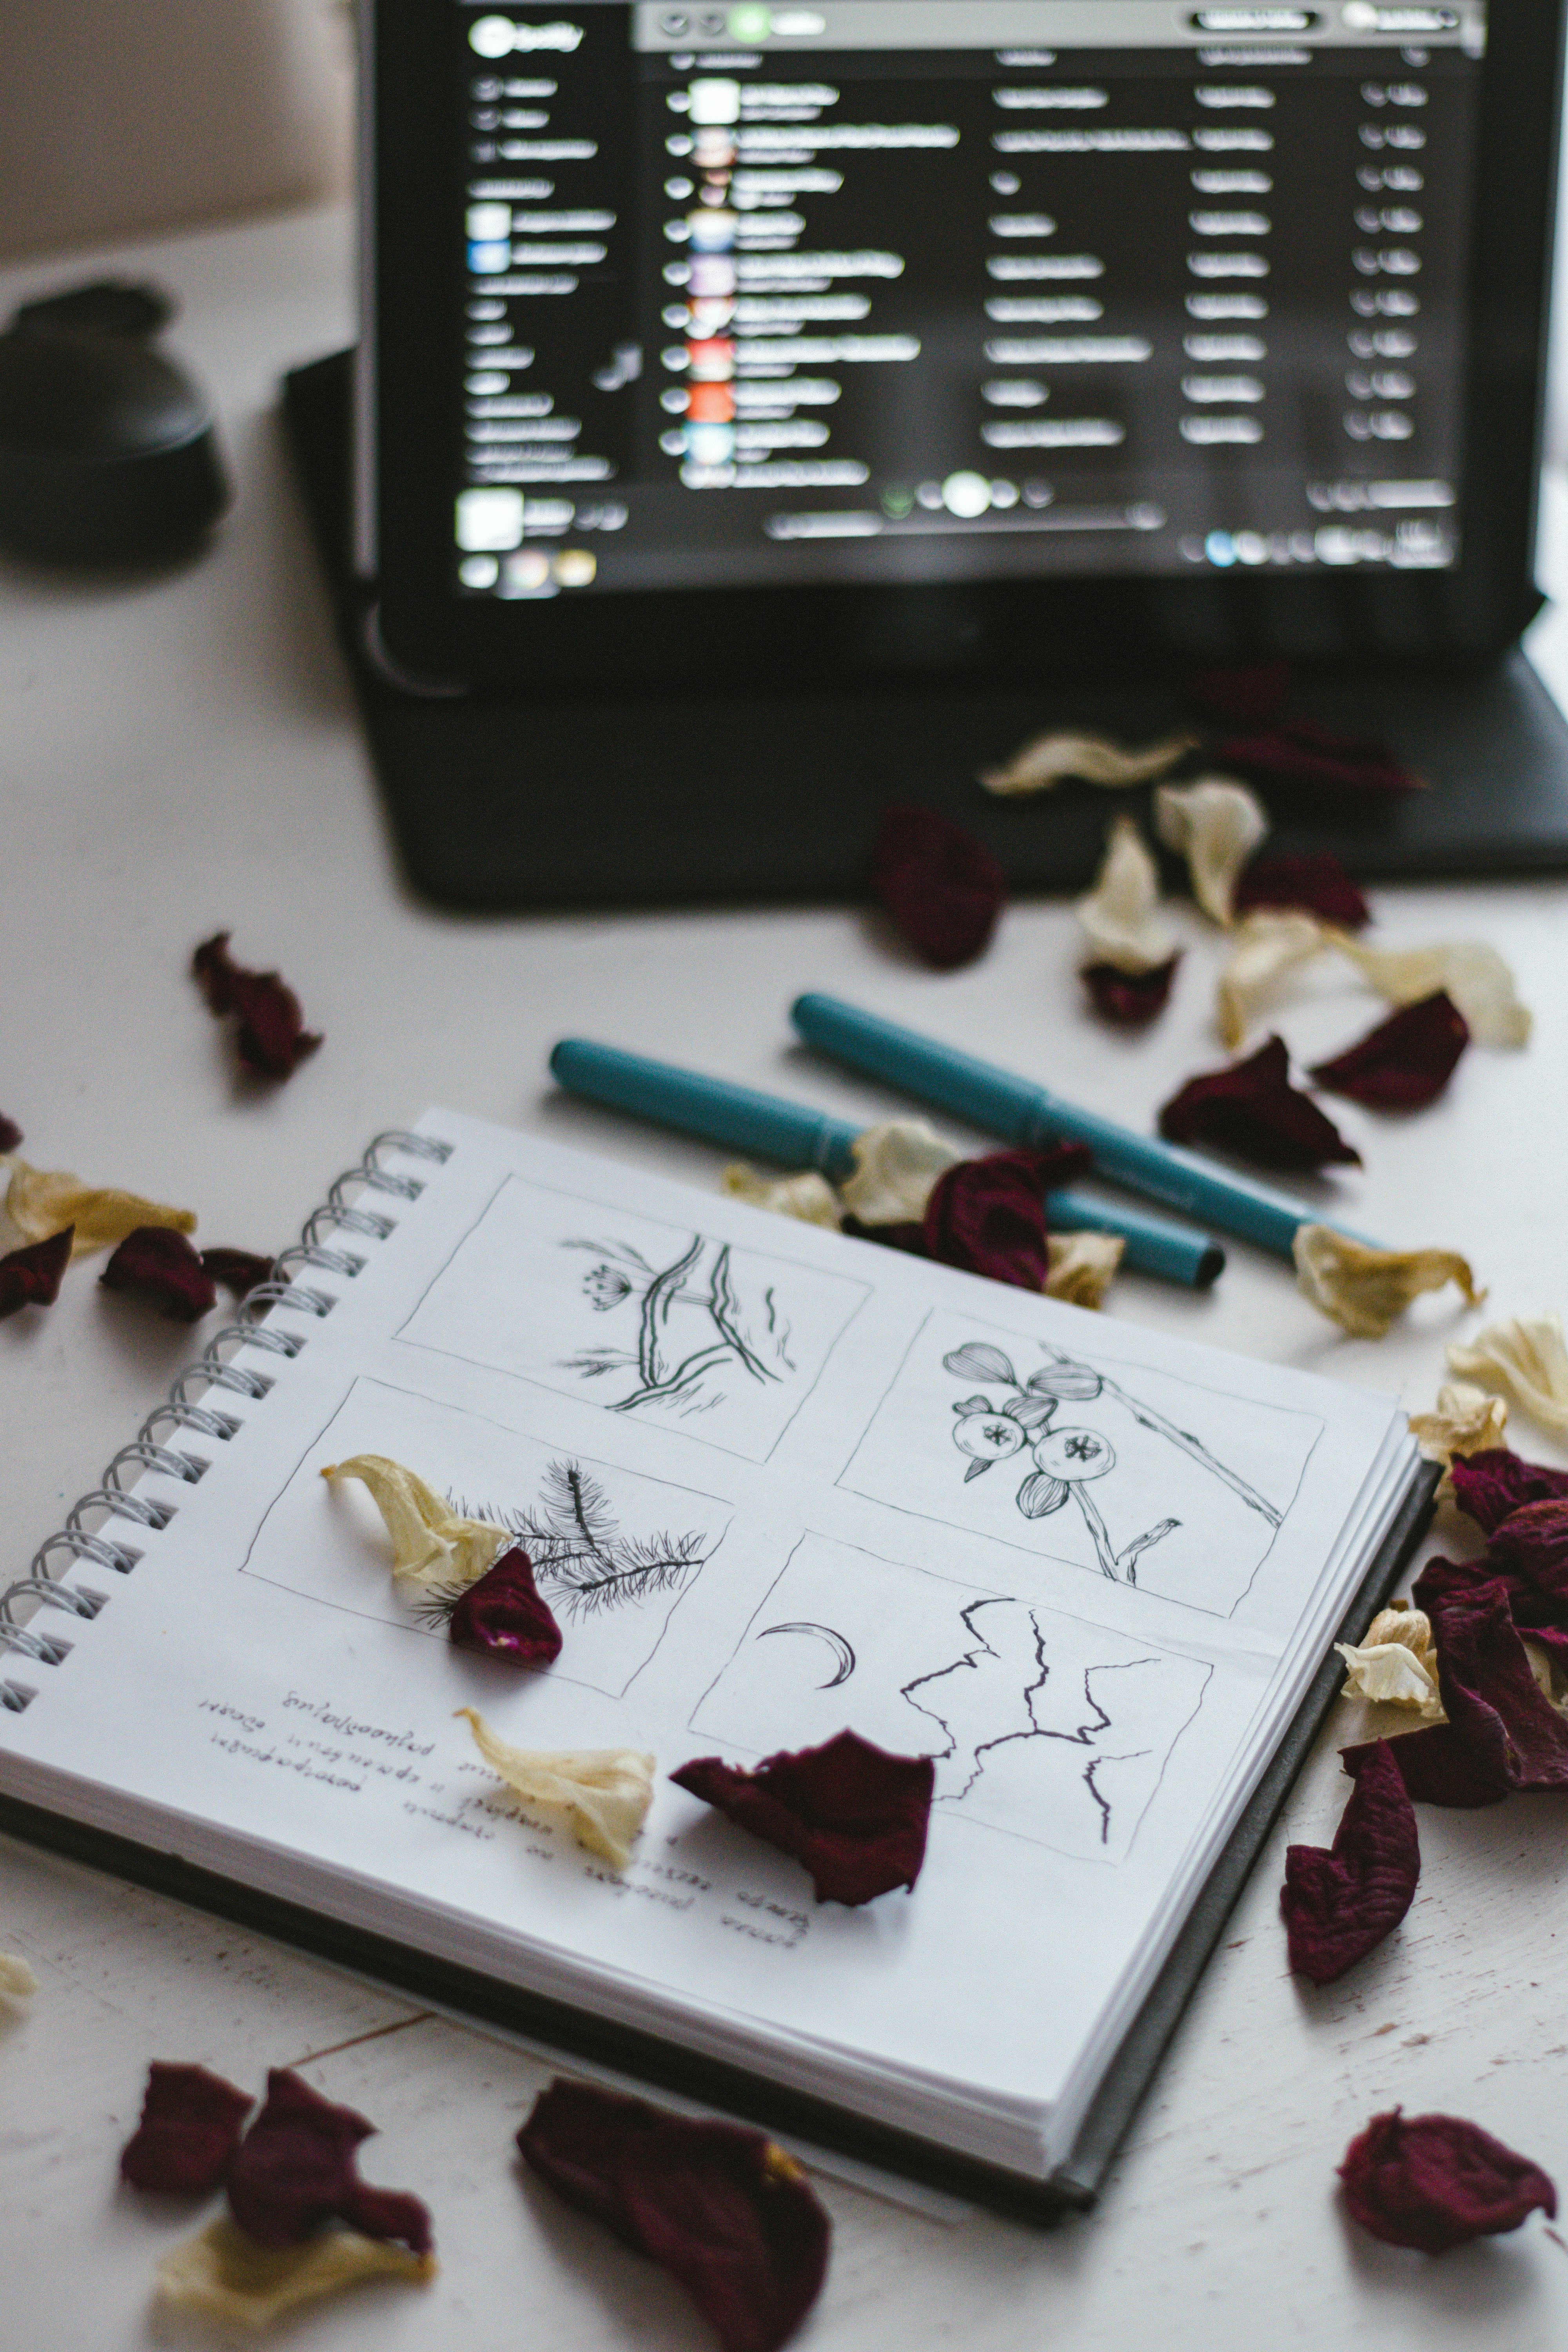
{"x": 1076, "y": 1741}
{"x": 696, "y": 1335}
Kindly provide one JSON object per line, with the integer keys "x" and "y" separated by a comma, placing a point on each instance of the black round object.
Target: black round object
{"x": 107, "y": 449}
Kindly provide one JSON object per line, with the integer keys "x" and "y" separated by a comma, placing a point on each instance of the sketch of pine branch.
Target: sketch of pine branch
{"x": 582, "y": 1562}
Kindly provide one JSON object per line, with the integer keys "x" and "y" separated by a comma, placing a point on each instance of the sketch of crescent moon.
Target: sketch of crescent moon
{"x": 840, "y": 1648}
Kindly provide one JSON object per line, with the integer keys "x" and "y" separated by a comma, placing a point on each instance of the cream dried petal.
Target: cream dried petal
{"x": 17, "y": 1982}
{"x": 1411, "y": 1627}
{"x": 605, "y": 1793}
{"x": 1120, "y": 914}
{"x": 1079, "y": 1266}
{"x": 807, "y": 1195}
{"x": 1526, "y": 1359}
{"x": 1216, "y": 824}
{"x": 1391, "y": 1674}
{"x": 1466, "y": 1420}
{"x": 1547, "y": 1681}
{"x": 1050, "y": 758}
{"x": 1363, "y": 1289}
{"x": 43, "y": 1201}
{"x": 1267, "y": 946}
{"x": 223, "y": 2274}
{"x": 897, "y": 1163}
{"x": 1475, "y": 976}
{"x": 431, "y": 1545}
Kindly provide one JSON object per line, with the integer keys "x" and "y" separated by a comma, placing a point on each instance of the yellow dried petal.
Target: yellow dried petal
{"x": 1216, "y": 824}
{"x": 1048, "y": 760}
{"x": 1466, "y": 1420}
{"x": 431, "y": 1545}
{"x": 17, "y": 1982}
{"x": 43, "y": 1201}
{"x": 1474, "y": 975}
{"x": 1526, "y": 1359}
{"x": 1267, "y": 945}
{"x": 897, "y": 1163}
{"x": 1079, "y": 1266}
{"x": 605, "y": 1793}
{"x": 1547, "y": 1681}
{"x": 223, "y": 2274}
{"x": 807, "y": 1195}
{"x": 1120, "y": 914}
{"x": 1365, "y": 1289}
{"x": 1391, "y": 1674}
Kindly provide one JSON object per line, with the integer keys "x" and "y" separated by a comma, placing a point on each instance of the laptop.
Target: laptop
{"x": 762, "y": 413}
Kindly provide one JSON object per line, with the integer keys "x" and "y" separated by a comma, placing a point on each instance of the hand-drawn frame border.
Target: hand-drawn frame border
{"x": 428, "y": 1632}
{"x": 580, "y": 1394}
{"x": 1121, "y": 1364}
{"x": 955, "y": 1812}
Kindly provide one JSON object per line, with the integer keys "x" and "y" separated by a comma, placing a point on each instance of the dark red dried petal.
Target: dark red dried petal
{"x": 296, "y": 2169}
{"x": 237, "y": 1270}
{"x": 1299, "y": 752}
{"x": 941, "y": 887}
{"x": 160, "y": 1262}
{"x": 1436, "y": 2181}
{"x": 1340, "y": 1903}
{"x": 855, "y": 1816}
{"x": 502, "y": 1615}
{"x": 272, "y": 1038}
{"x": 1490, "y": 1486}
{"x": 1130, "y": 997}
{"x": 988, "y": 1216}
{"x": 31, "y": 1276}
{"x": 720, "y": 2208}
{"x": 1502, "y": 1733}
{"x": 1253, "y": 1110}
{"x": 1529, "y": 1551}
{"x": 190, "y": 2127}
{"x": 1406, "y": 1062}
{"x": 1319, "y": 883}
{"x": 10, "y": 1133}
{"x": 910, "y": 1238}
{"x": 1248, "y": 695}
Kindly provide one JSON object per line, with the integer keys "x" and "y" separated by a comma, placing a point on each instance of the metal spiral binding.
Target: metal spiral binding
{"x": 42, "y": 1587}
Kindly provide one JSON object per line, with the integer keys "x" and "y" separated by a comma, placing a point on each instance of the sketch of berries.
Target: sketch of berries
{"x": 1066, "y": 1460}
{"x": 695, "y": 1332}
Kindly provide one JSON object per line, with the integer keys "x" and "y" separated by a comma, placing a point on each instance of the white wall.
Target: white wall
{"x": 118, "y": 115}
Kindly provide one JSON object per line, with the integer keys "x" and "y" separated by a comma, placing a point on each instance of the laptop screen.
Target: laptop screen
{"x": 906, "y": 292}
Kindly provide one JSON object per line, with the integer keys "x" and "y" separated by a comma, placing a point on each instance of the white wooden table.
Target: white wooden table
{"x": 181, "y": 754}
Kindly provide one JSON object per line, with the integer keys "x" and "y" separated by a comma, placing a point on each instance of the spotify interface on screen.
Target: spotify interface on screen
{"x": 882, "y": 292}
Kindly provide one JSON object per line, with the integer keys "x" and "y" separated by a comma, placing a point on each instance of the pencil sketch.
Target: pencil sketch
{"x": 615, "y": 1552}
{"x": 685, "y": 1361}
{"x": 1039, "y": 1724}
{"x": 1141, "y": 1475}
{"x": 657, "y": 1323}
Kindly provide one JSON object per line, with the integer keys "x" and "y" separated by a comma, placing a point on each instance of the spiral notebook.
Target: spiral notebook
{"x": 775, "y": 1483}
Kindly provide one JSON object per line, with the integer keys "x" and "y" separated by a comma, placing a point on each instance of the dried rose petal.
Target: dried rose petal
{"x": 1266, "y": 945}
{"x": 1363, "y": 1289}
{"x": 1530, "y": 1551}
{"x": 237, "y": 1270}
{"x": 1250, "y": 694}
{"x": 1127, "y": 996}
{"x": 1216, "y": 824}
{"x": 223, "y": 2274}
{"x": 1079, "y": 1266}
{"x": 853, "y": 1815}
{"x": 296, "y": 2168}
{"x": 190, "y": 2129}
{"x": 1120, "y": 914}
{"x": 1489, "y": 1488}
{"x": 156, "y": 1259}
{"x": 1253, "y": 1110}
{"x": 1475, "y": 978}
{"x": 806, "y": 1195}
{"x": 1466, "y": 1420}
{"x": 721, "y": 2209}
{"x": 941, "y": 887}
{"x": 503, "y": 1616}
{"x": 41, "y": 1202}
{"x": 1527, "y": 1357}
{"x": 605, "y": 1793}
{"x": 273, "y": 1039}
{"x": 1406, "y": 1062}
{"x": 1048, "y": 760}
{"x": 1319, "y": 884}
{"x": 988, "y": 1216}
{"x": 1341, "y": 1902}
{"x": 1501, "y": 1733}
{"x": 896, "y": 1165}
{"x": 31, "y": 1276}
{"x": 1299, "y": 752}
{"x": 433, "y": 1546}
{"x": 10, "y": 1133}
{"x": 909, "y": 1238}
{"x": 1437, "y": 2182}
